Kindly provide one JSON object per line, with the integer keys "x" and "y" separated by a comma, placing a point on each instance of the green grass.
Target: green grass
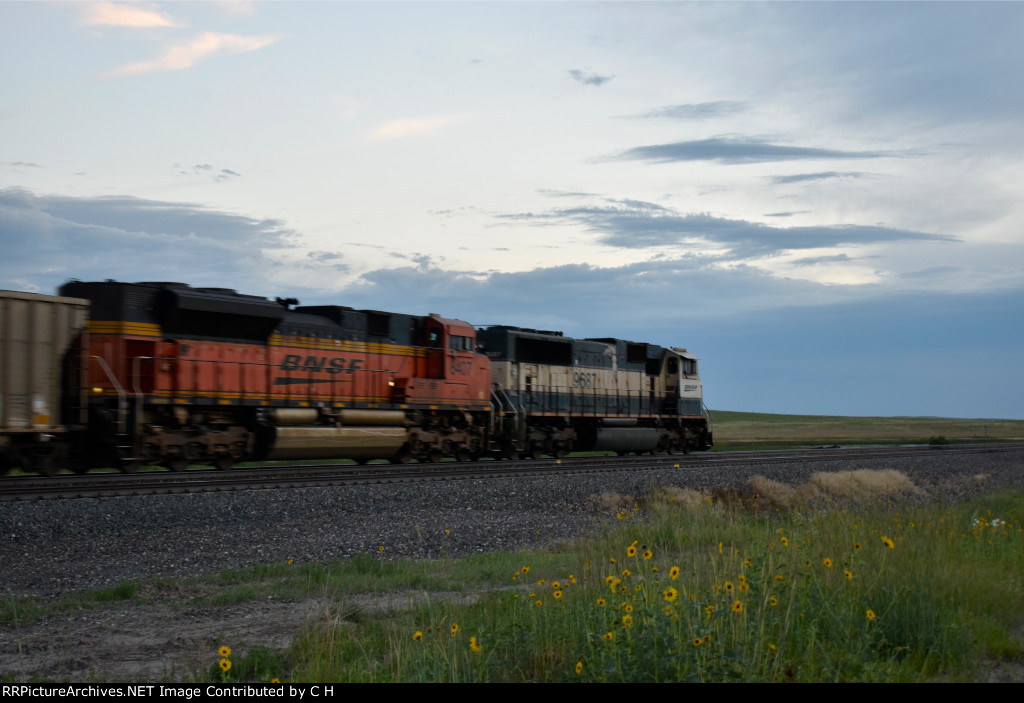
{"x": 805, "y": 594}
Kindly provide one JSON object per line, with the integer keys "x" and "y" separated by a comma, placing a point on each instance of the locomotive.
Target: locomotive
{"x": 161, "y": 373}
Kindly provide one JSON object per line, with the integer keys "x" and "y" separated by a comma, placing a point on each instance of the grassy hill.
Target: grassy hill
{"x": 740, "y": 430}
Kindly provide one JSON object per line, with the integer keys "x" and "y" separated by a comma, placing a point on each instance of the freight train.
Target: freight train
{"x": 112, "y": 374}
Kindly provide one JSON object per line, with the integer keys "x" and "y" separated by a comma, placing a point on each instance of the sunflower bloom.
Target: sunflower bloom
{"x": 608, "y": 636}
{"x": 773, "y": 601}
{"x": 648, "y": 554}
{"x": 627, "y": 621}
{"x": 827, "y": 563}
{"x": 455, "y": 628}
{"x": 888, "y": 543}
{"x": 671, "y": 594}
{"x": 473, "y": 644}
{"x": 579, "y": 668}
{"x": 697, "y": 641}
{"x": 557, "y": 594}
{"x": 225, "y": 665}
{"x": 848, "y": 574}
{"x": 737, "y": 607}
{"x": 631, "y": 551}
{"x": 785, "y": 542}
{"x": 538, "y": 602}
{"x": 870, "y": 615}
{"x": 224, "y": 652}
{"x": 728, "y": 586}
{"x": 601, "y": 602}
{"x": 674, "y": 573}
{"x": 857, "y": 547}
{"x": 417, "y": 636}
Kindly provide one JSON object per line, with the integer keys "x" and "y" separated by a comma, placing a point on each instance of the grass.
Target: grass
{"x": 848, "y": 587}
{"x": 739, "y": 431}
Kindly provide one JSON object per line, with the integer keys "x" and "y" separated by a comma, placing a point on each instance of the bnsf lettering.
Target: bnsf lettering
{"x": 689, "y": 387}
{"x": 462, "y": 368}
{"x": 581, "y": 379}
{"x": 335, "y": 365}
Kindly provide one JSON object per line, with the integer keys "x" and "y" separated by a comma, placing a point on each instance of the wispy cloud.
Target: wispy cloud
{"x": 405, "y": 127}
{"x": 736, "y": 150}
{"x": 127, "y": 15}
{"x": 695, "y": 111}
{"x": 588, "y": 78}
{"x": 822, "y": 176}
{"x": 204, "y": 46}
{"x": 633, "y": 224}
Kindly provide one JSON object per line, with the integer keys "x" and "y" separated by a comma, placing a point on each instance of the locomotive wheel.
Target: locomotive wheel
{"x": 462, "y": 454}
{"x": 224, "y": 463}
{"x": 512, "y": 454}
{"x": 177, "y": 464}
{"x": 435, "y": 455}
{"x": 687, "y": 446}
{"x": 536, "y": 452}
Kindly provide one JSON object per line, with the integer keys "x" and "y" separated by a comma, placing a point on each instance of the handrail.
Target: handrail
{"x": 121, "y": 401}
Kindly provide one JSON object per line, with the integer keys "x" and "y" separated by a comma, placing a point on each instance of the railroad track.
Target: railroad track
{"x": 305, "y": 476}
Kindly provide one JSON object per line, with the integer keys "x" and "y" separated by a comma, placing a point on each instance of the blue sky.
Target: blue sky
{"x": 821, "y": 200}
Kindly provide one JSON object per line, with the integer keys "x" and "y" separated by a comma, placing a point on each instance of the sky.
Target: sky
{"x": 823, "y": 201}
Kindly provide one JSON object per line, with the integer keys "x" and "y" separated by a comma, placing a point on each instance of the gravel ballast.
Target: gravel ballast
{"x": 55, "y": 546}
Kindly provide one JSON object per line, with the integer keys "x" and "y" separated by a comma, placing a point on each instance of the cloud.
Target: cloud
{"x": 736, "y": 150}
{"x": 633, "y": 224}
{"x": 588, "y": 78}
{"x": 206, "y": 45}
{"x": 812, "y": 260}
{"x": 786, "y": 214}
{"x": 48, "y": 239}
{"x": 397, "y": 129}
{"x": 821, "y": 176}
{"x": 126, "y": 15}
{"x": 696, "y": 111}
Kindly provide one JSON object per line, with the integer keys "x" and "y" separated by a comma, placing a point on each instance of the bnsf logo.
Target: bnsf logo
{"x": 295, "y": 362}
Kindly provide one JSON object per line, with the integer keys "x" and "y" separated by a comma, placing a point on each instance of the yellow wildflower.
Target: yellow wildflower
{"x": 697, "y": 641}
{"x": 579, "y": 668}
{"x": 671, "y": 594}
{"x": 417, "y": 636}
{"x": 674, "y": 572}
{"x": 848, "y": 574}
{"x": 224, "y": 652}
{"x": 601, "y": 602}
{"x": 648, "y": 554}
{"x": 631, "y": 551}
{"x": 888, "y": 543}
{"x": 557, "y": 594}
{"x": 225, "y": 665}
{"x": 473, "y": 644}
{"x": 608, "y": 636}
{"x": 827, "y": 563}
{"x": 773, "y": 601}
{"x": 627, "y": 621}
{"x": 737, "y": 607}
{"x": 870, "y": 614}
{"x": 455, "y": 628}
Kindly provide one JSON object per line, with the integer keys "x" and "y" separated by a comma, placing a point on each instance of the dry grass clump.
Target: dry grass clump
{"x": 864, "y": 484}
{"x": 773, "y": 491}
{"x": 673, "y": 498}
